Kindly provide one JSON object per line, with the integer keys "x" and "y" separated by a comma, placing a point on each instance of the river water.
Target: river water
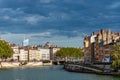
{"x": 49, "y": 73}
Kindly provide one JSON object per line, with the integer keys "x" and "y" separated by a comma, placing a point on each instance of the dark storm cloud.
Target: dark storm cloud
{"x": 68, "y": 18}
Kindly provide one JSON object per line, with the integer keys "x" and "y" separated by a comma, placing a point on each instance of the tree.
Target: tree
{"x": 69, "y": 52}
{"x": 116, "y": 57}
{"x": 5, "y": 50}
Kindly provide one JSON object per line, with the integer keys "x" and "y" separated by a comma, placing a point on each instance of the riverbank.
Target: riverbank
{"x": 7, "y": 65}
{"x": 84, "y": 69}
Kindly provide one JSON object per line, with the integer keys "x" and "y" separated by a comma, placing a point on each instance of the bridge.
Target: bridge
{"x": 58, "y": 62}
{"x": 54, "y": 62}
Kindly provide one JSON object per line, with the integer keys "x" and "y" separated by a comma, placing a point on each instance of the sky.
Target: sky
{"x": 60, "y": 22}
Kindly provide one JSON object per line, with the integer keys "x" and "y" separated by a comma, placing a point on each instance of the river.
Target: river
{"x": 49, "y": 73}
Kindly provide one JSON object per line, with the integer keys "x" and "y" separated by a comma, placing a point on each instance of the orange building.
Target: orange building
{"x": 98, "y": 47}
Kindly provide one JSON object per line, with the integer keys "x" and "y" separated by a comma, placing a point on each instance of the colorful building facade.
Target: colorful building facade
{"x": 98, "y": 47}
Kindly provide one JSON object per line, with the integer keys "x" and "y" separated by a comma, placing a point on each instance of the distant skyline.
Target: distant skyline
{"x": 60, "y": 22}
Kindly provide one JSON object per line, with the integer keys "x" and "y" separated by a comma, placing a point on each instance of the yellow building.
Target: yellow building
{"x": 34, "y": 55}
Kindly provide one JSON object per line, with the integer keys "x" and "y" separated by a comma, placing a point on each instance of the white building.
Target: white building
{"x": 16, "y": 52}
{"x": 16, "y": 57}
{"x": 44, "y": 54}
{"x": 23, "y": 55}
{"x": 53, "y": 51}
{"x": 34, "y": 54}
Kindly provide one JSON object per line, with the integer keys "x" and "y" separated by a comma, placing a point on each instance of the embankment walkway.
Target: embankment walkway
{"x": 80, "y": 68}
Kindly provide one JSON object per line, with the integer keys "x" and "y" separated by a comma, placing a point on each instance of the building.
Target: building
{"x": 48, "y": 45}
{"x": 98, "y": 47}
{"x": 23, "y": 55}
{"x": 29, "y": 53}
{"x": 44, "y": 53}
{"x": 16, "y": 50}
{"x": 53, "y": 51}
{"x": 34, "y": 55}
{"x": 107, "y": 50}
{"x": 87, "y": 50}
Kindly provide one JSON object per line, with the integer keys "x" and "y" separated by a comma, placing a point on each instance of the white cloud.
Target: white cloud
{"x": 108, "y": 16}
{"x": 11, "y": 11}
{"x": 43, "y": 34}
{"x": 45, "y": 1}
{"x": 11, "y": 36}
{"x": 114, "y": 5}
{"x": 6, "y": 17}
{"x": 33, "y": 19}
{"x": 19, "y": 15}
{"x": 57, "y": 40}
{"x": 53, "y": 16}
{"x": 9, "y": 14}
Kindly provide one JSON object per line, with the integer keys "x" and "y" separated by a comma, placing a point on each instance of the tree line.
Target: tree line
{"x": 5, "y": 50}
{"x": 116, "y": 57}
{"x": 69, "y": 52}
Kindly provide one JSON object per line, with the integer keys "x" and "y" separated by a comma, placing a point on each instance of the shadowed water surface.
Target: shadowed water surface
{"x": 49, "y": 73}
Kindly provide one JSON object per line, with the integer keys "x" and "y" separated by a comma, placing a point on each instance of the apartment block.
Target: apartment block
{"x": 98, "y": 46}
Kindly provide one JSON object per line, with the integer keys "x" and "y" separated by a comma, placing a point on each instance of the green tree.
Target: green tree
{"x": 5, "y": 50}
{"x": 69, "y": 52}
{"x": 116, "y": 57}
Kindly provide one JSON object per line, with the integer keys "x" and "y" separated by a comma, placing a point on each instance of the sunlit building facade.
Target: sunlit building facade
{"x": 98, "y": 47}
